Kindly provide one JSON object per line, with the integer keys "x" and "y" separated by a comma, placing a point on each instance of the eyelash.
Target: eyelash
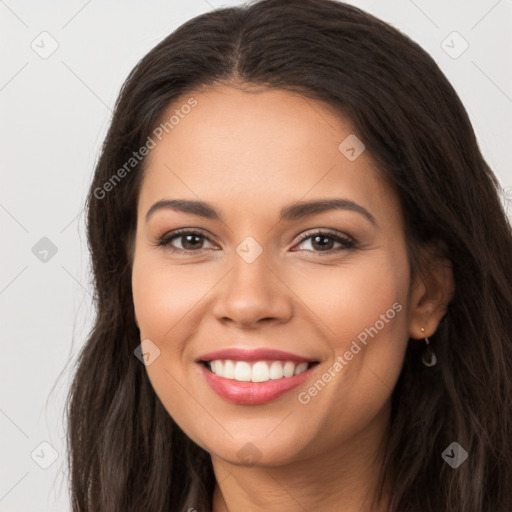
{"x": 166, "y": 239}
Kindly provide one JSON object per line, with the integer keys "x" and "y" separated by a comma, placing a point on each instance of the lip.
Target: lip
{"x": 253, "y": 393}
{"x": 254, "y": 354}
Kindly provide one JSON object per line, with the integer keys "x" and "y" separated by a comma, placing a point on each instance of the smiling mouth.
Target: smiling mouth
{"x": 256, "y": 371}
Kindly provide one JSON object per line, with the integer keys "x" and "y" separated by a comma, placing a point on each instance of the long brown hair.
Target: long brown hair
{"x": 125, "y": 451}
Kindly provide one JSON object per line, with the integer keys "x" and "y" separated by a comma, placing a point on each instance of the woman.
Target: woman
{"x": 303, "y": 279}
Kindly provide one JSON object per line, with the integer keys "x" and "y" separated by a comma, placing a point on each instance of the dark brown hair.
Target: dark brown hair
{"x": 125, "y": 451}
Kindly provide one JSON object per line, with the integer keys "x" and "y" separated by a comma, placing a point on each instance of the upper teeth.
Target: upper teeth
{"x": 259, "y": 371}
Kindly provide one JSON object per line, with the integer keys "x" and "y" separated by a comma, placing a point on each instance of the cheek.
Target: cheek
{"x": 365, "y": 308}
{"x": 372, "y": 331}
{"x": 164, "y": 295}
{"x": 350, "y": 298}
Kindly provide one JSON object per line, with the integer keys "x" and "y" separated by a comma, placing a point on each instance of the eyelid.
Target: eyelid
{"x": 346, "y": 241}
{"x": 165, "y": 239}
{"x": 325, "y": 231}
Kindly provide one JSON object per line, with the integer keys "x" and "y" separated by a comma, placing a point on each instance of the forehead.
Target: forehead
{"x": 258, "y": 147}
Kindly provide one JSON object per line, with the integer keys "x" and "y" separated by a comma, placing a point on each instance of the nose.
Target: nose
{"x": 252, "y": 294}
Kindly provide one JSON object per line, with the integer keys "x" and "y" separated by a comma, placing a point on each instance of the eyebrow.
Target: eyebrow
{"x": 289, "y": 213}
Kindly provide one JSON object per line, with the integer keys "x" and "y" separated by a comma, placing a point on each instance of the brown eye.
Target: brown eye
{"x": 323, "y": 241}
{"x": 190, "y": 241}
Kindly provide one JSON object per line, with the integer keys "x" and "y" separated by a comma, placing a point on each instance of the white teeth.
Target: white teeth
{"x": 216, "y": 366}
{"x": 242, "y": 371}
{"x": 276, "y": 370}
{"x": 259, "y": 371}
{"x": 301, "y": 368}
{"x": 228, "y": 371}
{"x": 289, "y": 368}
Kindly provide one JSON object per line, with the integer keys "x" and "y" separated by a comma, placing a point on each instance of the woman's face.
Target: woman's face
{"x": 246, "y": 281}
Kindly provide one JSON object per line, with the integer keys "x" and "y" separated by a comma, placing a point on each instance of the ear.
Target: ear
{"x": 432, "y": 289}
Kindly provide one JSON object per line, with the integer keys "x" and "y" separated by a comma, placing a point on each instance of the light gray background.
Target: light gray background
{"x": 55, "y": 112}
